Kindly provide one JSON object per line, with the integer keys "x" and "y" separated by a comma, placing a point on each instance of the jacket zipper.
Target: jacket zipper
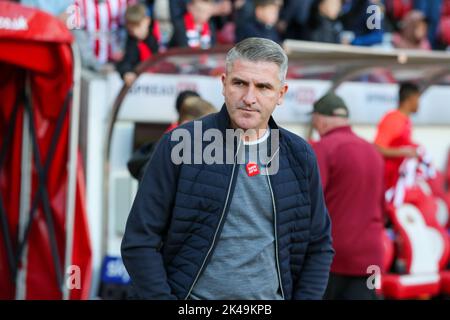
{"x": 275, "y": 234}
{"x": 217, "y": 229}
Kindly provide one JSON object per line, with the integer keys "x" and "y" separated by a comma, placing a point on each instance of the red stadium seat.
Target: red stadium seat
{"x": 431, "y": 207}
{"x": 410, "y": 286}
{"x": 445, "y": 283}
{"x": 423, "y": 250}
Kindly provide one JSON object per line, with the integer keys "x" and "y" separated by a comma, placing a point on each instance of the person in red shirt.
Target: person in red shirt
{"x": 393, "y": 138}
{"x": 351, "y": 171}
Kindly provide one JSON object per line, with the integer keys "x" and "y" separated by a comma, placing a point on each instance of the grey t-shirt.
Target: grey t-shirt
{"x": 243, "y": 264}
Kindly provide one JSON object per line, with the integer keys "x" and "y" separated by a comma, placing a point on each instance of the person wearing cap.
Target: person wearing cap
{"x": 351, "y": 171}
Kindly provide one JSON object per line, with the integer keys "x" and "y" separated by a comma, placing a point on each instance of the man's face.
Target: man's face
{"x": 139, "y": 30}
{"x": 252, "y": 90}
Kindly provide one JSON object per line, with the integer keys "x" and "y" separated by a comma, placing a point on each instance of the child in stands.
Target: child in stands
{"x": 141, "y": 42}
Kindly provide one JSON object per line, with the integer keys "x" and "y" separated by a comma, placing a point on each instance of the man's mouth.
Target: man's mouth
{"x": 248, "y": 109}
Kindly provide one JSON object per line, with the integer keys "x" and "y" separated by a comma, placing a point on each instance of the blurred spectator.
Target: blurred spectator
{"x": 161, "y": 14}
{"x": 194, "y": 29}
{"x": 394, "y": 135}
{"x": 356, "y": 17}
{"x": 244, "y": 11}
{"x": 178, "y": 8}
{"x": 293, "y": 17}
{"x": 323, "y": 24}
{"x": 396, "y": 10}
{"x": 263, "y": 22}
{"x": 219, "y": 8}
{"x": 101, "y": 35}
{"x": 192, "y": 108}
{"x": 224, "y": 21}
{"x": 432, "y": 11}
{"x": 413, "y": 32}
{"x": 182, "y": 96}
{"x": 351, "y": 170}
{"x": 221, "y": 11}
{"x": 155, "y": 25}
{"x": 141, "y": 43}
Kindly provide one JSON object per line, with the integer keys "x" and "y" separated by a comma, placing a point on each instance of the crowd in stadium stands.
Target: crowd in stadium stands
{"x": 112, "y": 39}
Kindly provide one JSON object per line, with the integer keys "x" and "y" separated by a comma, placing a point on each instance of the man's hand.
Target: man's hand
{"x": 129, "y": 78}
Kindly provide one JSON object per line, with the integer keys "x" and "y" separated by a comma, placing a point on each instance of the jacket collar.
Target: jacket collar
{"x": 223, "y": 123}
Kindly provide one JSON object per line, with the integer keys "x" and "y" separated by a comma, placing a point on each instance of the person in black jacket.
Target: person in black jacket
{"x": 141, "y": 43}
{"x": 263, "y": 22}
{"x": 294, "y": 15}
{"x": 323, "y": 24}
{"x": 212, "y": 218}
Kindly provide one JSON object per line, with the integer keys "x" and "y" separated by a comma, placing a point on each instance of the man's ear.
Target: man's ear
{"x": 224, "y": 79}
{"x": 283, "y": 91}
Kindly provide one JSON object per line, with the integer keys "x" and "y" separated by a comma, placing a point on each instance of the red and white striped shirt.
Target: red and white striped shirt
{"x": 102, "y": 19}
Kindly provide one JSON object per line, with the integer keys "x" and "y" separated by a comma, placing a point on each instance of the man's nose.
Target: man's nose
{"x": 250, "y": 96}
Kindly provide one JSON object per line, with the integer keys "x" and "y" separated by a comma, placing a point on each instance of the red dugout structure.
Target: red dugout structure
{"x": 45, "y": 248}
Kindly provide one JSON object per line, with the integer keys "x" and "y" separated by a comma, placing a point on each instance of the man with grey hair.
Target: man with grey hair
{"x": 233, "y": 230}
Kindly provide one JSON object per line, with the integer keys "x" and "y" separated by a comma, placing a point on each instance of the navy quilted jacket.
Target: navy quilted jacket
{"x": 179, "y": 211}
